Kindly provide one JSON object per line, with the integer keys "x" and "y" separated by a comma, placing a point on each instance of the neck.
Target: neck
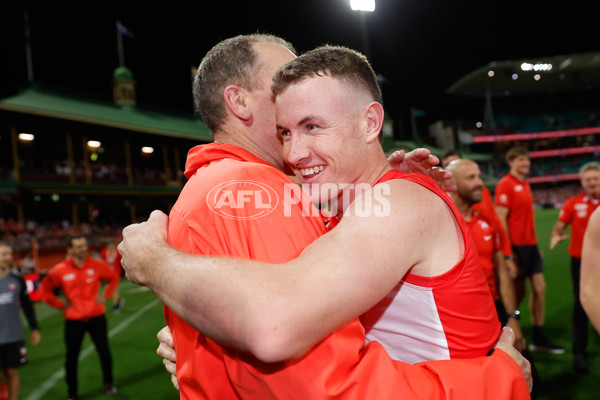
{"x": 594, "y": 196}
{"x": 465, "y": 209}
{"x": 79, "y": 261}
{"x": 4, "y": 270}
{"x": 517, "y": 174}
{"x": 371, "y": 175}
{"x": 254, "y": 146}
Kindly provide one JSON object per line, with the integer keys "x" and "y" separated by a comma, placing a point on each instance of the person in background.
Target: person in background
{"x": 111, "y": 255}
{"x": 514, "y": 205}
{"x": 13, "y": 295}
{"x": 487, "y": 208}
{"x": 576, "y": 212}
{"x": 466, "y": 175}
{"x": 590, "y": 270}
{"x": 79, "y": 278}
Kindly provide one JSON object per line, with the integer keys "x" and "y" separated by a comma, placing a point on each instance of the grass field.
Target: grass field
{"x": 139, "y": 373}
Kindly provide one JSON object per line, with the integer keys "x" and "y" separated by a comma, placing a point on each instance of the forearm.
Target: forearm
{"x": 557, "y": 231}
{"x": 256, "y": 307}
{"x": 590, "y": 277}
{"x": 503, "y": 217}
{"x": 28, "y": 310}
{"x": 506, "y": 285}
{"x": 590, "y": 270}
{"x": 591, "y": 303}
{"x": 47, "y": 295}
{"x": 232, "y": 301}
{"x": 113, "y": 283}
{"x": 556, "y": 235}
{"x": 276, "y": 312}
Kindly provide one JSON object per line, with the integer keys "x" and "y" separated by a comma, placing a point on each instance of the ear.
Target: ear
{"x": 235, "y": 101}
{"x": 374, "y": 115}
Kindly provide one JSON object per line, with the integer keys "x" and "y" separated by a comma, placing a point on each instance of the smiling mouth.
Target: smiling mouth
{"x": 310, "y": 172}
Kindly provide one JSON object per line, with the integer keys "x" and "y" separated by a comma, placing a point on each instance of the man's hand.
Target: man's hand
{"x": 138, "y": 244}
{"x": 167, "y": 352}
{"x": 506, "y": 344}
{"x": 421, "y": 161}
{"x": 512, "y": 268}
{"x": 556, "y": 239}
{"x": 520, "y": 343}
{"x": 36, "y": 336}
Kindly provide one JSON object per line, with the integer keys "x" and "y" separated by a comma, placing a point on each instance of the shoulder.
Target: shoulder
{"x": 398, "y": 200}
{"x": 240, "y": 169}
{"x": 594, "y": 221}
{"x": 570, "y": 202}
{"x": 12, "y": 278}
{"x": 17, "y": 277}
{"x": 58, "y": 268}
{"x": 232, "y": 178}
{"x": 505, "y": 182}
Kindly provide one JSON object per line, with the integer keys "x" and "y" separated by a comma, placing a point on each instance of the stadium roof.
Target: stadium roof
{"x": 568, "y": 73}
{"x": 34, "y": 100}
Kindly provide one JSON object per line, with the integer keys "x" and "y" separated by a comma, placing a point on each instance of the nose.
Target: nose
{"x": 295, "y": 149}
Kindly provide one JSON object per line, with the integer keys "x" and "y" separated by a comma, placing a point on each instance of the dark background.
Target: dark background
{"x": 419, "y": 47}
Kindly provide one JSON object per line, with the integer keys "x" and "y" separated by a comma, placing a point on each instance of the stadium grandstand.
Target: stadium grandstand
{"x": 549, "y": 105}
{"x": 72, "y": 163}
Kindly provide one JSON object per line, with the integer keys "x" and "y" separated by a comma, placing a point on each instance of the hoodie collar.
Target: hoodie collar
{"x": 206, "y": 153}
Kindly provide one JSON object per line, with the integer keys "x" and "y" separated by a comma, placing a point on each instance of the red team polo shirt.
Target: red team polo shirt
{"x": 485, "y": 236}
{"x": 222, "y": 210}
{"x": 576, "y": 211}
{"x": 486, "y": 209}
{"x": 516, "y": 195}
{"x": 80, "y": 285}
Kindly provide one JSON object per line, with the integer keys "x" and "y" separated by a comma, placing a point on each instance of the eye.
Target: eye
{"x": 311, "y": 127}
{"x": 284, "y": 134}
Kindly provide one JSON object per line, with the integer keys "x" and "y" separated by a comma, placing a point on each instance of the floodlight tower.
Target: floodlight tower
{"x": 363, "y": 7}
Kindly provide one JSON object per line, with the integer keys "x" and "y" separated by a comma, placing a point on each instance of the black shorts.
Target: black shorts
{"x": 13, "y": 355}
{"x": 529, "y": 260}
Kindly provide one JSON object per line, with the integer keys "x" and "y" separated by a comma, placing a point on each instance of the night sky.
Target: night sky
{"x": 421, "y": 47}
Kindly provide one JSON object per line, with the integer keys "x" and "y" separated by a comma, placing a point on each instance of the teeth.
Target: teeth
{"x": 312, "y": 170}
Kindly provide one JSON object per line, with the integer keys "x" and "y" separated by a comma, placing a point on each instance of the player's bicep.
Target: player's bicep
{"x": 367, "y": 254}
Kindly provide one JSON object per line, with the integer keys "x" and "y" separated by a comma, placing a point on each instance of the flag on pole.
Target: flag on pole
{"x": 122, "y": 30}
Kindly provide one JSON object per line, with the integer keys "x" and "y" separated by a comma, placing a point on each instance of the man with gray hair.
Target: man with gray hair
{"x": 576, "y": 212}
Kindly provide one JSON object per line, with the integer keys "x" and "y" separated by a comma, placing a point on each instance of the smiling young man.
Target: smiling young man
{"x": 286, "y": 313}
{"x": 514, "y": 205}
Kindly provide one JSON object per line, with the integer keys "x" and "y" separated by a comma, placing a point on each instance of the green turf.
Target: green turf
{"x": 559, "y": 380}
{"x": 139, "y": 373}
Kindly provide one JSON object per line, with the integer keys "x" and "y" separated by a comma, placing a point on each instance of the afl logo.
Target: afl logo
{"x": 242, "y": 199}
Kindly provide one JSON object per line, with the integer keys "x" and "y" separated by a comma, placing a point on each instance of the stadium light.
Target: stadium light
{"x": 94, "y": 144}
{"x": 147, "y": 150}
{"x": 362, "y": 5}
{"x": 26, "y": 137}
{"x": 536, "y": 67}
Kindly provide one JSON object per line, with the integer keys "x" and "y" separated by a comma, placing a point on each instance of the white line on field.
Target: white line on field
{"x": 48, "y": 383}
